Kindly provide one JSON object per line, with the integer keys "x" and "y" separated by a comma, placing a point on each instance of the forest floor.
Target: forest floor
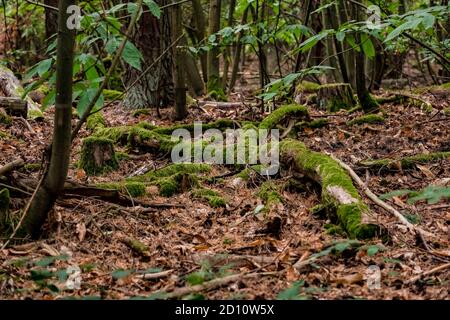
{"x": 193, "y": 242}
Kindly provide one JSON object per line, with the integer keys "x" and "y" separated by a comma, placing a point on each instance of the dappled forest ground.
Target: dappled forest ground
{"x": 193, "y": 242}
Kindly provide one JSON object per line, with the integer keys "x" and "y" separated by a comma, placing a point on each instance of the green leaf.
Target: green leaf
{"x": 85, "y": 99}
{"x": 411, "y": 24}
{"x": 40, "y": 274}
{"x": 428, "y": 21}
{"x": 121, "y": 273}
{"x": 396, "y": 193}
{"x": 153, "y": 7}
{"x": 195, "y": 278}
{"x": 433, "y": 194}
{"x": 132, "y": 55}
{"x": 372, "y": 250}
{"x": 312, "y": 41}
{"x": 44, "y": 66}
{"x": 367, "y": 46}
{"x": 340, "y": 36}
{"x": 292, "y": 292}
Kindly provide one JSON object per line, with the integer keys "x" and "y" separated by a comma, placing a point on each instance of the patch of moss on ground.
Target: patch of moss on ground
{"x": 315, "y": 124}
{"x": 283, "y": 113}
{"x": 269, "y": 193}
{"x": 4, "y": 118}
{"x": 131, "y": 188}
{"x": 32, "y": 167}
{"x": 369, "y": 118}
{"x": 174, "y": 178}
{"x": 141, "y": 112}
{"x": 213, "y": 198}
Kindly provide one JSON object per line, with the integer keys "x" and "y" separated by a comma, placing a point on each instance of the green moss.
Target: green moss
{"x": 220, "y": 124}
{"x": 4, "y": 118}
{"x": 35, "y": 114}
{"x": 331, "y": 177}
{"x": 94, "y": 164}
{"x": 137, "y": 246}
{"x": 173, "y": 178}
{"x": 141, "y": 112}
{"x": 269, "y": 193}
{"x": 95, "y": 121}
{"x": 131, "y": 188}
{"x": 336, "y": 96}
{"x": 3, "y": 135}
{"x": 406, "y": 162}
{"x": 283, "y": 113}
{"x": 307, "y": 87}
{"x": 111, "y": 95}
{"x": 368, "y": 103}
{"x": 33, "y": 167}
{"x": 315, "y": 124}
{"x": 446, "y": 111}
{"x": 248, "y": 172}
{"x": 369, "y": 118}
{"x": 333, "y": 229}
{"x": 213, "y": 198}
{"x": 122, "y": 156}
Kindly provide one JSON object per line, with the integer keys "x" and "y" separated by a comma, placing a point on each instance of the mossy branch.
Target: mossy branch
{"x": 406, "y": 162}
{"x": 338, "y": 192}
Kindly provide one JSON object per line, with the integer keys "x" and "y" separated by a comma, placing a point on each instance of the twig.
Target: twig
{"x": 379, "y": 202}
{"x": 157, "y": 275}
{"x": 429, "y": 272}
{"x": 215, "y": 283}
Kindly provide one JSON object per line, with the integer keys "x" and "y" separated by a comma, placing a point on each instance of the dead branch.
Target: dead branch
{"x": 11, "y": 166}
{"x": 429, "y": 272}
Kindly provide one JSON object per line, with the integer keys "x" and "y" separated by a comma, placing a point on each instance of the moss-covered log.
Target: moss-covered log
{"x": 369, "y": 118}
{"x": 406, "y": 162}
{"x": 292, "y": 111}
{"x": 98, "y": 156}
{"x": 128, "y": 188}
{"x": 11, "y": 87}
{"x": 338, "y": 193}
{"x": 336, "y": 96}
{"x": 14, "y": 106}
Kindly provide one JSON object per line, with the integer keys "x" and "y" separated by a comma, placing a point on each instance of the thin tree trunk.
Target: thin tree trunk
{"x": 200, "y": 33}
{"x": 178, "y": 70}
{"x": 53, "y": 181}
{"x": 51, "y": 19}
{"x": 227, "y": 55}
{"x": 213, "y": 54}
{"x": 237, "y": 53}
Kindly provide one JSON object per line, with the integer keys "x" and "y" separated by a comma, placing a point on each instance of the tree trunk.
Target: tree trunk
{"x": 51, "y": 19}
{"x": 178, "y": 69}
{"x": 53, "y": 181}
{"x": 237, "y": 52}
{"x": 200, "y": 33}
{"x": 213, "y": 54}
{"x": 155, "y": 89}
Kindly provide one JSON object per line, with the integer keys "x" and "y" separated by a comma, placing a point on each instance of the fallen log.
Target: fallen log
{"x": 14, "y": 106}
{"x": 12, "y": 88}
{"x": 339, "y": 196}
{"x": 11, "y": 166}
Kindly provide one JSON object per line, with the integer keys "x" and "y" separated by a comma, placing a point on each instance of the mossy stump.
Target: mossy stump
{"x": 336, "y": 96}
{"x": 339, "y": 195}
{"x": 98, "y": 156}
{"x": 4, "y": 118}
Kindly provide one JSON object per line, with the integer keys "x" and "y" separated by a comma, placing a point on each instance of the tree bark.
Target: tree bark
{"x": 155, "y": 89}
{"x": 178, "y": 70}
{"x": 51, "y": 19}
{"x": 53, "y": 181}
{"x": 213, "y": 53}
